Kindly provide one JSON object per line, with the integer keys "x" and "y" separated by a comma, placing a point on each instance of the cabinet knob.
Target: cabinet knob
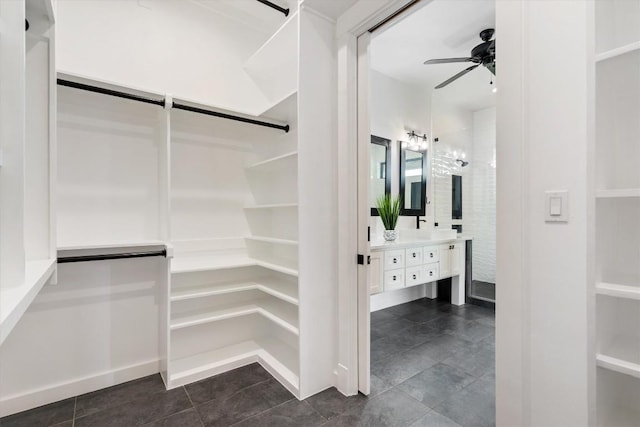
{"x": 431, "y": 273}
{"x": 414, "y": 276}
{"x": 394, "y": 277}
{"x": 395, "y": 260}
{"x": 431, "y": 254}
{"x": 414, "y": 254}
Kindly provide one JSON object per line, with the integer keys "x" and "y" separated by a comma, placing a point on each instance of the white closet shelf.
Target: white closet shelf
{"x": 273, "y": 206}
{"x": 619, "y": 51}
{"x": 15, "y": 300}
{"x": 273, "y": 240}
{"x": 618, "y": 290}
{"x": 275, "y": 357}
{"x": 111, "y": 245}
{"x": 282, "y": 290}
{"x": 621, "y": 355}
{"x": 270, "y": 309}
{"x": 274, "y": 162}
{"x": 618, "y": 193}
{"x": 222, "y": 260}
{"x": 283, "y": 109}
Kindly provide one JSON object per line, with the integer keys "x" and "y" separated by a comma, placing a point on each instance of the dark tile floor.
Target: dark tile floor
{"x": 432, "y": 365}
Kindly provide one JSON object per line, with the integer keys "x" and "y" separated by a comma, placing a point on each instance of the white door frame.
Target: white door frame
{"x": 353, "y": 294}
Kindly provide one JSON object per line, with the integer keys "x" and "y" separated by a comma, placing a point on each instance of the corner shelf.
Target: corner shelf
{"x": 621, "y": 355}
{"x": 618, "y": 193}
{"x": 284, "y": 291}
{"x": 209, "y": 261}
{"x": 618, "y": 290}
{"x": 14, "y": 301}
{"x": 622, "y": 50}
{"x": 273, "y": 206}
{"x": 276, "y": 357}
{"x": 273, "y": 240}
{"x": 222, "y": 260}
{"x": 274, "y": 162}
{"x": 271, "y": 310}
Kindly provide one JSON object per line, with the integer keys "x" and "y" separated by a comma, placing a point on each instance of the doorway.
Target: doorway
{"x": 432, "y": 322}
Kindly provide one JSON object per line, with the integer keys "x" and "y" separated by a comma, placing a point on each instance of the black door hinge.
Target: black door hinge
{"x": 368, "y": 234}
{"x": 361, "y": 259}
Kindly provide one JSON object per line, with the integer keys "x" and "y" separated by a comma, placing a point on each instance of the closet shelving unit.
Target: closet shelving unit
{"x": 240, "y": 205}
{"x": 250, "y": 279}
{"x": 27, "y": 150}
{"x": 234, "y": 289}
{"x": 617, "y": 211}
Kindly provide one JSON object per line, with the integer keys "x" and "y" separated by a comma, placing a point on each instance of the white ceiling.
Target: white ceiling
{"x": 438, "y": 29}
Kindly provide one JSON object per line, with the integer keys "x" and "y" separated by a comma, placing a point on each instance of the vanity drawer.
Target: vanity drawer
{"x": 413, "y": 256}
{"x": 394, "y": 259}
{"x": 394, "y": 279}
{"x": 431, "y": 254}
{"x": 431, "y": 272}
{"x": 415, "y": 276}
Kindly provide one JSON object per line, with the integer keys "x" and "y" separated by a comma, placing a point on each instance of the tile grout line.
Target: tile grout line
{"x": 260, "y": 413}
{"x": 75, "y": 405}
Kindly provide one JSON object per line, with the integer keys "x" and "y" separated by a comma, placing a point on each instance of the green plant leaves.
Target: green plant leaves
{"x": 389, "y": 210}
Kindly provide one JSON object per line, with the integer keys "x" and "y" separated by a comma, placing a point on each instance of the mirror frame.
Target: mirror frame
{"x": 413, "y": 212}
{"x": 387, "y": 182}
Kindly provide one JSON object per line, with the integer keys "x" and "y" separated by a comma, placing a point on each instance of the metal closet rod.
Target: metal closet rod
{"x": 275, "y": 6}
{"x": 162, "y": 103}
{"x": 126, "y": 255}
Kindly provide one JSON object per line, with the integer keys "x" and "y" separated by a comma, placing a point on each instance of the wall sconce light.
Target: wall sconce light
{"x": 416, "y": 142}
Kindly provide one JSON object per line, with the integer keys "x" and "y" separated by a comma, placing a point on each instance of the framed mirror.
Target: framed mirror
{"x": 380, "y": 176}
{"x": 413, "y": 181}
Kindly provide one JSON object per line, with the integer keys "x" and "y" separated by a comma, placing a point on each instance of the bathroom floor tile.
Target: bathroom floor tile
{"x": 331, "y": 402}
{"x": 434, "y": 419}
{"x": 45, "y": 416}
{"x": 226, "y": 384}
{"x": 473, "y": 406}
{"x": 139, "y": 411}
{"x": 246, "y": 403}
{"x": 436, "y": 384}
{"x": 290, "y": 414}
{"x": 187, "y": 418}
{"x": 118, "y": 395}
{"x": 392, "y": 408}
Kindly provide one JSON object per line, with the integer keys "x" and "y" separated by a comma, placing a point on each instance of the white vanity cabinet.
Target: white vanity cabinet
{"x": 398, "y": 265}
{"x": 449, "y": 259}
{"x": 376, "y": 279}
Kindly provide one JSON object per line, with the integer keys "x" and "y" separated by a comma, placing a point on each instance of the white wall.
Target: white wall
{"x": 98, "y": 326}
{"x": 176, "y": 47}
{"x": 542, "y": 358}
{"x": 482, "y": 209}
{"x": 395, "y": 109}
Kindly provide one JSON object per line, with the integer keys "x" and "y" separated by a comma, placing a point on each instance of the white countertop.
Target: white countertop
{"x": 378, "y": 242}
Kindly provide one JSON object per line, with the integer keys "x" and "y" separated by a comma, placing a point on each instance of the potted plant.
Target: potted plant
{"x": 389, "y": 210}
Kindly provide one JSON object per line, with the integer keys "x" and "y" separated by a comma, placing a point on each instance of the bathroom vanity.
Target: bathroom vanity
{"x": 415, "y": 259}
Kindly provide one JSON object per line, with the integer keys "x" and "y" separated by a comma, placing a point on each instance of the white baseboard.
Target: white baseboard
{"x": 343, "y": 382}
{"x": 43, "y": 396}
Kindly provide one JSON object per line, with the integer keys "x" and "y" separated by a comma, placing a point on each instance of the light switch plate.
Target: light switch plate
{"x": 556, "y": 206}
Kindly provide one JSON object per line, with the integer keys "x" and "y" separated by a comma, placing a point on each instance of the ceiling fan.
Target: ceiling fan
{"x": 484, "y": 54}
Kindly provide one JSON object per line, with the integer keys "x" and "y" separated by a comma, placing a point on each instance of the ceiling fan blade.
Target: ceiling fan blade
{"x": 457, "y": 76}
{"x": 447, "y": 60}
